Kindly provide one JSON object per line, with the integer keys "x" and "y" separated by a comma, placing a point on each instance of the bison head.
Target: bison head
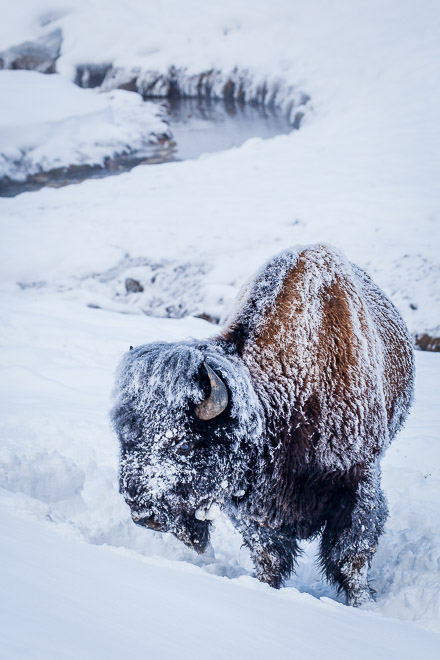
{"x": 188, "y": 423}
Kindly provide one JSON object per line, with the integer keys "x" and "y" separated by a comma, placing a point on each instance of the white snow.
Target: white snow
{"x": 362, "y": 174}
{"x": 71, "y": 600}
{"x": 211, "y": 513}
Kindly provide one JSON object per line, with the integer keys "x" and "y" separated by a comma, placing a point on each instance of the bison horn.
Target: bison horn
{"x": 216, "y": 401}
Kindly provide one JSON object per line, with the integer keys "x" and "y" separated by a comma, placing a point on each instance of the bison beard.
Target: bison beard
{"x": 280, "y": 421}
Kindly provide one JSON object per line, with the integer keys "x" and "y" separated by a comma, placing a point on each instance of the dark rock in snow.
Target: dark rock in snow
{"x": 208, "y": 317}
{"x": 427, "y": 342}
{"x": 40, "y": 55}
{"x": 133, "y": 286}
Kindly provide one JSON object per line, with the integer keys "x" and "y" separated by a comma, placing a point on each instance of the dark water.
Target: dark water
{"x": 205, "y": 127}
{"x": 198, "y": 127}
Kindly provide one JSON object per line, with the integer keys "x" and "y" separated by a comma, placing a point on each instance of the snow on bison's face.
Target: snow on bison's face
{"x": 186, "y": 415}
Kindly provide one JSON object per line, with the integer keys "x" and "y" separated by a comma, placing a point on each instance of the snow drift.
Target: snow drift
{"x": 48, "y": 123}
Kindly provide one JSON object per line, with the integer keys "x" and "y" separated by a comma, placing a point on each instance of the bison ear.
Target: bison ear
{"x": 217, "y": 400}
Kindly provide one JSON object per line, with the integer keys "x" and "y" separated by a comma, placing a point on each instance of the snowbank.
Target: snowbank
{"x": 80, "y": 601}
{"x": 47, "y": 122}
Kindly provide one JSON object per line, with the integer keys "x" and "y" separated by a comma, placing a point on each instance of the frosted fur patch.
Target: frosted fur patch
{"x": 294, "y": 353}
{"x": 158, "y": 386}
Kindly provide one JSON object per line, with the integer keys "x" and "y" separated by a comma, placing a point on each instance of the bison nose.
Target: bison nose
{"x": 146, "y": 521}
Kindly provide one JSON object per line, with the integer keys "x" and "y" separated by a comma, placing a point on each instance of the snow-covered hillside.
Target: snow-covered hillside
{"x": 68, "y": 600}
{"x": 361, "y": 173}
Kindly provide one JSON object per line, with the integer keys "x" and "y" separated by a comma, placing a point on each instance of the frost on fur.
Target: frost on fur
{"x": 318, "y": 366}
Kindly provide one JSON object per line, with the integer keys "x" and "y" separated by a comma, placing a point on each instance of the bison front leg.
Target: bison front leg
{"x": 350, "y": 537}
{"x": 272, "y": 552}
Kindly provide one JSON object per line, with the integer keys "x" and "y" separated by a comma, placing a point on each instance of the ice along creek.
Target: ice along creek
{"x": 198, "y": 127}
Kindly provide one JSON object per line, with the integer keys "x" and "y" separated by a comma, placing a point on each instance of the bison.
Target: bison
{"x": 280, "y": 420}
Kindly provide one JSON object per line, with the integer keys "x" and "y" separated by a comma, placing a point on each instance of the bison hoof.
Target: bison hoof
{"x": 360, "y": 596}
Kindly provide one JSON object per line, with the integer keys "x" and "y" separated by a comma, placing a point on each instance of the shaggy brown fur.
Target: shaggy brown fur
{"x": 332, "y": 363}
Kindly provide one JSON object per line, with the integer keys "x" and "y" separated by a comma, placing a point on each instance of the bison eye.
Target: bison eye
{"x": 184, "y": 447}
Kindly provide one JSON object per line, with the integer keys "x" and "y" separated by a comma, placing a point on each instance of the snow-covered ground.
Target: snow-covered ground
{"x": 362, "y": 173}
{"x": 68, "y": 600}
{"x": 47, "y": 122}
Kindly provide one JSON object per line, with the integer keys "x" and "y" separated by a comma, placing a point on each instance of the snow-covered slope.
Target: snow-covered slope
{"x": 69, "y": 600}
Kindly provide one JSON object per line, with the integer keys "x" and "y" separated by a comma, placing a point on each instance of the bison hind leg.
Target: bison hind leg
{"x": 274, "y": 554}
{"x": 350, "y": 538}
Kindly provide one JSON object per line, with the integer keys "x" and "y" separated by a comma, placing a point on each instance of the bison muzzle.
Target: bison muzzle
{"x": 280, "y": 421}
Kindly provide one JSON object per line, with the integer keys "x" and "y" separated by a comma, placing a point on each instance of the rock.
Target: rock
{"x": 129, "y": 86}
{"x": 208, "y": 317}
{"x": 133, "y": 286}
{"x": 40, "y": 55}
{"x": 427, "y": 342}
{"x": 297, "y": 120}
